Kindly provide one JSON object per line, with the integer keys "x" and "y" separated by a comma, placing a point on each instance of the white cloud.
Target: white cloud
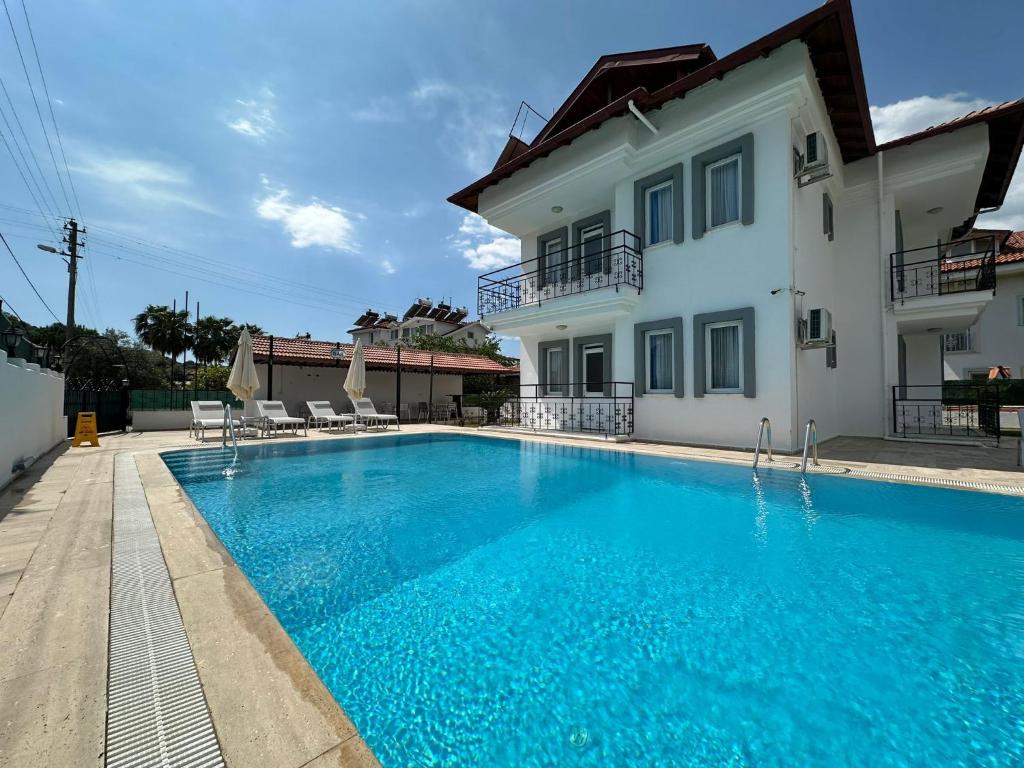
{"x": 485, "y": 247}
{"x": 254, "y": 117}
{"x": 311, "y": 224}
{"x": 387, "y": 267}
{"x": 901, "y": 118}
{"x": 146, "y": 180}
{"x": 382, "y": 109}
{"x": 474, "y": 121}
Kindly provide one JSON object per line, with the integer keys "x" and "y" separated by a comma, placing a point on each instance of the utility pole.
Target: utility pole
{"x": 73, "y": 231}
{"x": 72, "y": 240}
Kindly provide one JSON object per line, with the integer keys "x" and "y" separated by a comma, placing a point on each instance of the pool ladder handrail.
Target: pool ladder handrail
{"x": 229, "y": 428}
{"x": 810, "y": 440}
{"x": 765, "y": 424}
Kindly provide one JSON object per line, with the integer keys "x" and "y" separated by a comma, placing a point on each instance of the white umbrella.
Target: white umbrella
{"x": 355, "y": 381}
{"x": 243, "y": 381}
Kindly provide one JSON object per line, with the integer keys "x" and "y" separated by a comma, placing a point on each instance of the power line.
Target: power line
{"x": 28, "y": 146}
{"x": 21, "y": 173}
{"x": 39, "y": 112}
{"x": 49, "y": 103}
{"x": 29, "y": 279}
{"x": 11, "y": 308}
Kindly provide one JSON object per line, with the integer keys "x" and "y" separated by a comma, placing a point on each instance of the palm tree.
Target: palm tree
{"x": 164, "y": 330}
{"x": 214, "y": 338}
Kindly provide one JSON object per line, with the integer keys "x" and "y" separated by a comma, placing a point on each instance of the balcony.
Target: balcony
{"x": 944, "y": 286}
{"x": 603, "y": 274}
{"x": 600, "y": 408}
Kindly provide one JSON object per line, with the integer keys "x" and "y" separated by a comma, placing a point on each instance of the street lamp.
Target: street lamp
{"x": 47, "y": 248}
{"x": 56, "y": 358}
{"x": 39, "y": 355}
{"x": 11, "y": 338}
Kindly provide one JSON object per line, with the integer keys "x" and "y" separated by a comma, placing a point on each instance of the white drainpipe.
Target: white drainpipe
{"x": 640, "y": 116}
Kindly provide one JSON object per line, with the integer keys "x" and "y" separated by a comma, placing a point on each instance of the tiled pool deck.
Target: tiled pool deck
{"x": 267, "y": 705}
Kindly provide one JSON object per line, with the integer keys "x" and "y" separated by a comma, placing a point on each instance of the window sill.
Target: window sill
{"x": 721, "y": 227}
{"x": 659, "y": 246}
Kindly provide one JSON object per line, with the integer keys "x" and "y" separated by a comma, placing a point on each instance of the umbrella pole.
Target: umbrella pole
{"x": 430, "y": 394}
{"x": 398, "y": 384}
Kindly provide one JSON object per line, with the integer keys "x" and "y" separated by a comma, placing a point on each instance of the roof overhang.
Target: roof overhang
{"x": 831, "y": 39}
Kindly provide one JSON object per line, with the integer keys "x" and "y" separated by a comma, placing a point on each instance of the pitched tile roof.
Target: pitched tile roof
{"x": 1011, "y": 251}
{"x": 312, "y": 352}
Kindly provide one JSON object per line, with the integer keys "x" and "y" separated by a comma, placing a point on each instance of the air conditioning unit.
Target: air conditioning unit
{"x": 815, "y": 152}
{"x": 819, "y": 327}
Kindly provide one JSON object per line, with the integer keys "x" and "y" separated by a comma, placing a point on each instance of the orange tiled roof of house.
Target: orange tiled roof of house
{"x": 377, "y": 358}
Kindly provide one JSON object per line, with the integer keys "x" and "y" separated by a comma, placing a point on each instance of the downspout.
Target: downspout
{"x": 884, "y": 277}
{"x": 270, "y": 371}
{"x": 640, "y": 116}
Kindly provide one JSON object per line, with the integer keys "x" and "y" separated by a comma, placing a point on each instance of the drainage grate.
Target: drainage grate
{"x": 156, "y": 711}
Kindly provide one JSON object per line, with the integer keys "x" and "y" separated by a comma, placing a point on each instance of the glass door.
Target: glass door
{"x": 593, "y": 369}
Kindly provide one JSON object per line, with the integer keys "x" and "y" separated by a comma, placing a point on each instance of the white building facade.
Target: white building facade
{"x": 682, "y": 215}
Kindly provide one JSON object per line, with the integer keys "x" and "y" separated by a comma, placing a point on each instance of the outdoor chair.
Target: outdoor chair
{"x": 208, "y": 413}
{"x": 273, "y": 416}
{"x": 321, "y": 414}
{"x": 423, "y": 411}
{"x": 367, "y": 414}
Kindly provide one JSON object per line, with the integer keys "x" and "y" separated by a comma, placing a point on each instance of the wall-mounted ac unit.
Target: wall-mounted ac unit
{"x": 819, "y": 327}
{"x": 815, "y": 152}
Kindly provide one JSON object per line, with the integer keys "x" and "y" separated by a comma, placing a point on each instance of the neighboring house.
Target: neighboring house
{"x": 684, "y": 218}
{"x": 997, "y": 339}
{"x": 421, "y": 319}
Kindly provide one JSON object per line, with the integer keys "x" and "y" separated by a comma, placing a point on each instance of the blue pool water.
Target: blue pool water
{"x": 486, "y": 602}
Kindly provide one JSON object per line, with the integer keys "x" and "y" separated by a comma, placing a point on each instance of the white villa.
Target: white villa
{"x": 423, "y": 318}
{"x": 707, "y": 241}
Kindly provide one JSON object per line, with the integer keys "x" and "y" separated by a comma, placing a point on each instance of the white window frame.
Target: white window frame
{"x": 588, "y": 234}
{"x": 970, "y": 339}
{"x": 738, "y": 159}
{"x": 557, "y": 272}
{"x": 709, "y": 389}
{"x": 591, "y": 349}
{"x": 549, "y": 387}
{"x": 647, "y": 362}
{"x": 670, "y": 236}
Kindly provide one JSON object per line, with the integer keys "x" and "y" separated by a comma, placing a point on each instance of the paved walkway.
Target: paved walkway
{"x": 268, "y": 706}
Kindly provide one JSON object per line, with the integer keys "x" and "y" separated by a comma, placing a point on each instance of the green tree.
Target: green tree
{"x": 215, "y": 377}
{"x": 214, "y": 338}
{"x": 490, "y": 347}
{"x": 164, "y": 330}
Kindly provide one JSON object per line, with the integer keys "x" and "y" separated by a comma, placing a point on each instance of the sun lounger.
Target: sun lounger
{"x": 322, "y": 414}
{"x": 273, "y": 416}
{"x": 367, "y": 414}
{"x": 207, "y": 413}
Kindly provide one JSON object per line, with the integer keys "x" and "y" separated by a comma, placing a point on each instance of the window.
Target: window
{"x": 470, "y": 335}
{"x": 555, "y": 369}
{"x": 1020, "y": 310}
{"x": 659, "y": 362}
{"x": 723, "y": 351}
{"x": 828, "y": 223}
{"x": 592, "y": 239}
{"x": 722, "y": 187}
{"x": 394, "y": 334}
{"x": 659, "y": 214}
{"x": 554, "y": 259}
{"x": 593, "y": 369}
{"x": 977, "y": 374}
{"x": 406, "y": 332}
{"x": 961, "y": 341}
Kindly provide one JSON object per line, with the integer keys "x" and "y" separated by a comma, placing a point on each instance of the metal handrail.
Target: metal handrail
{"x": 229, "y": 427}
{"x": 810, "y": 437}
{"x": 943, "y": 273}
{"x": 565, "y": 272}
{"x": 765, "y": 423}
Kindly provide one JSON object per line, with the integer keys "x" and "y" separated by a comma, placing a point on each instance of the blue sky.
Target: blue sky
{"x": 251, "y": 143}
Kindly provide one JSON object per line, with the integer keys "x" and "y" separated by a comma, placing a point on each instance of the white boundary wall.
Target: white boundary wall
{"x": 31, "y": 413}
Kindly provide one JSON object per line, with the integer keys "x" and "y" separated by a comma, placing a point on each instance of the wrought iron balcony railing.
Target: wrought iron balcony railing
{"x": 596, "y": 407}
{"x": 964, "y": 409}
{"x": 947, "y": 268}
{"x": 615, "y": 261}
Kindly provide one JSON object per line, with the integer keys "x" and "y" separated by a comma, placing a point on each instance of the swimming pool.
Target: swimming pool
{"x": 480, "y": 601}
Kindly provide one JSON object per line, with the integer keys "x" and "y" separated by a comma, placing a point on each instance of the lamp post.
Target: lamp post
{"x": 56, "y": 358}
{"x": 39, "y": 355}
{"x": 11, "y": 338}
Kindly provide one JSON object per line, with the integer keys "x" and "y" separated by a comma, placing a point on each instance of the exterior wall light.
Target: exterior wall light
{"x": 11, "y": 338}
{"x": 557, "y": 209}
{"x": 936, "y": 209}
{"x": 39, "y": 355}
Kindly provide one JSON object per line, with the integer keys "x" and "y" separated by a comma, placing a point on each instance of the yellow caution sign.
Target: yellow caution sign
{"x": 85, "y": 430}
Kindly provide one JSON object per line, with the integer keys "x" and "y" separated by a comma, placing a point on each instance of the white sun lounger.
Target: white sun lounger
{"x": 273, "y": 416}
{"x": 367, "y": 414}
{"x": 322, "y": 414}
{"x": 208, "y": 413}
